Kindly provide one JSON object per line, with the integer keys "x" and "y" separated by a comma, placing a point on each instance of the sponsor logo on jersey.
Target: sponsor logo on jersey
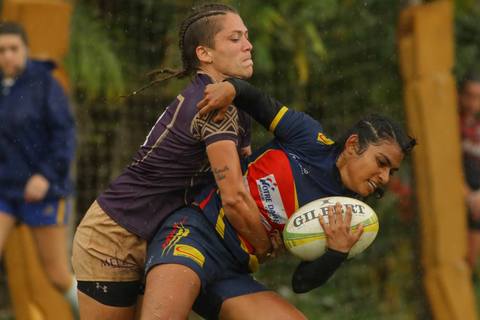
{"x": 271, "y": 199}
{"x": 324, "y": 139}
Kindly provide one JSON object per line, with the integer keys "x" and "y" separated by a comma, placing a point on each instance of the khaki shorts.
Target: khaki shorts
{"x": 105, "y": 251}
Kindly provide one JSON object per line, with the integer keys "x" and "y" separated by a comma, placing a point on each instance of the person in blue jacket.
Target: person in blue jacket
{"x": 37, "y": 142}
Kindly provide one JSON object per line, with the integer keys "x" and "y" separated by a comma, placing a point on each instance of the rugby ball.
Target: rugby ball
{"x": 304, "y": 236}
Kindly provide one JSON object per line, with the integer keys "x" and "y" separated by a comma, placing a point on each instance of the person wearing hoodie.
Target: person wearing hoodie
{"x": 37, "y": 142}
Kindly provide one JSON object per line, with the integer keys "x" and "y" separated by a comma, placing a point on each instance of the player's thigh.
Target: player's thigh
{"x": 47, "y": 220}
{"x": 108, "y": 261}
{"x": 7, "y": 222}
{"x": 265, "y": 305}
{"x": 52, "y": 244}
{"x": 170, "y": 292}
{"x": 177, "y": 265}
{"x": 8, "y": 218}
{"x": 91, "y": 309}
{"x": 52, "y": 248}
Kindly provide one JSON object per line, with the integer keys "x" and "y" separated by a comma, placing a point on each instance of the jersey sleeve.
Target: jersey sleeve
{"x": 205, "y": 129}
{"x": 291, "y": 127}
{"x": 288, "y": 126}
{"x": 61, "y": 134}
{"x": 312, "y": 274}
{"x": 245, "y": 129}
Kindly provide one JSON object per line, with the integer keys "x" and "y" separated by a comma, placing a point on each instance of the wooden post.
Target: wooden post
{"x": 426, "y": 53}
{"x": 47, "y": 23}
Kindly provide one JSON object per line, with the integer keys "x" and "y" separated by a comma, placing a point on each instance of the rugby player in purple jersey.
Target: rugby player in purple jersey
{"x": 178, "y": 156}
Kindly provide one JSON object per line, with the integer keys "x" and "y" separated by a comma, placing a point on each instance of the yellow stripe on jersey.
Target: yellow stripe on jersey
{"x": 61, "y": 211}
{"x": 190, "y": 252}
{"x": 277, "y": 118}
{"x": 253, "y": 264}
{"x": 243, "y": 245}
{"x": 220, "y": 225}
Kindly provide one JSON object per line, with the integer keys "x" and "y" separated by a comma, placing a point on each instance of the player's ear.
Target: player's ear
{"x": 352, "y": 146}
{"x": 204, "y": 55}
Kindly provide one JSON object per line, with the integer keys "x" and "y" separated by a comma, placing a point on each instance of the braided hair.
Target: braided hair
{"x": 374, "y": 129}
{"x": 199, "y": 28}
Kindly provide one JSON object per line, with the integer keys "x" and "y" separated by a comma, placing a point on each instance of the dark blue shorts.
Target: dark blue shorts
{"x": 36, "y": 214}
{"x": 189, "y": 239}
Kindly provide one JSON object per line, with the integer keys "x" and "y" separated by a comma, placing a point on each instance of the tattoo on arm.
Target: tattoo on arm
{"x": 219, "y": 173}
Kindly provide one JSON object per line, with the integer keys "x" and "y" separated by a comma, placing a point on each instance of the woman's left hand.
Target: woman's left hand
{"x": 340, "y": 237}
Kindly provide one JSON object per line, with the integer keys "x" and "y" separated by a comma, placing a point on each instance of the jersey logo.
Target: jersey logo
{"x": 271, "y": 199}
{"x": 49, "y": 210}
{"x": 323, "y": 139}
{"x": 189, "y": 252}
{"x": 177, "y": 233}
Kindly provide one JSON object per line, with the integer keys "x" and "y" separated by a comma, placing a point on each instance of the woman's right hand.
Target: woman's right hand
{"x": 277, "y": 249}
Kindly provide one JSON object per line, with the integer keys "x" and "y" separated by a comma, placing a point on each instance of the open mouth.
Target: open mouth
{"x": 372, "y": 185}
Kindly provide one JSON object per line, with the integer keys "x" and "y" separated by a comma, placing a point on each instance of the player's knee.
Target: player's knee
{"x": 164, "y": 311}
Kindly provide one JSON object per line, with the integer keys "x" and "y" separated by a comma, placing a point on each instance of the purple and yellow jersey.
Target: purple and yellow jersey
{"x": 172, "y": 162}
{"x": 297, "y": 167}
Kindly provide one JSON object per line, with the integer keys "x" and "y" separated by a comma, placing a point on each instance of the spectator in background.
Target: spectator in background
{"x": 469, "y": 103}
{"x": 36, "y": 148}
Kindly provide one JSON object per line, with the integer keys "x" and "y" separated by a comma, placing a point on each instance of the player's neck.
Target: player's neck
{"x": 212, "y": 73}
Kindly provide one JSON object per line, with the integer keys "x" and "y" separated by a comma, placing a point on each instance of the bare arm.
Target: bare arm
{"x": 239, "y": 206}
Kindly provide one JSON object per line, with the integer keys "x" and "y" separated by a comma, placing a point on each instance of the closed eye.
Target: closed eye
{"x": 381, "y": 162}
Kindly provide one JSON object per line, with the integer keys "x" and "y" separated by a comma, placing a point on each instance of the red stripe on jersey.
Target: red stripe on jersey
{"x": 249, "y": 248}
{"x": 204, "y": 202}
{"x": 272, "y": 186}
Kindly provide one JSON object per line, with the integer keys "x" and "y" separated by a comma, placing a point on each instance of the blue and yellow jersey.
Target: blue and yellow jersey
{"x": 297, "y": 167}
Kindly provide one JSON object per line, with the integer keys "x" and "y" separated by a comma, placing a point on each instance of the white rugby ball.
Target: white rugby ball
{"x": 304, "y": 236}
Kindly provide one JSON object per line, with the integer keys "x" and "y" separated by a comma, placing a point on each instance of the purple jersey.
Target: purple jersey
{"x": 172, "y": 162}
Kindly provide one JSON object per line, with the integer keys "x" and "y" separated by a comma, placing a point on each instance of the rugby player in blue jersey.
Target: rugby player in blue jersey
{"x": 110, "y": 243}
{"x": 300, "y": 165}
